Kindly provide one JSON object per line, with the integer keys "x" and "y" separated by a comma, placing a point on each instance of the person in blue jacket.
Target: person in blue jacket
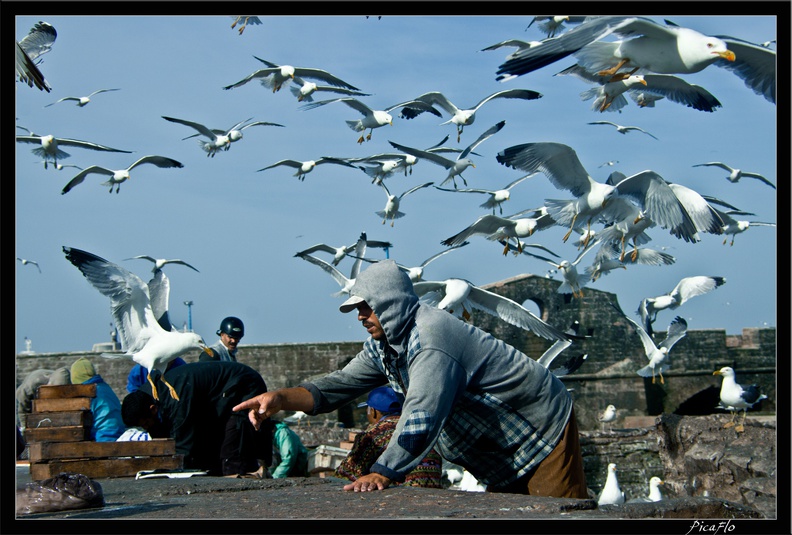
{"x": 108, "y": 424}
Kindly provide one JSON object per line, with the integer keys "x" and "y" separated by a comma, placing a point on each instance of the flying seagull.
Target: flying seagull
{"x": 82, "y": 101}
{"x": 37, "y": 42}
{"x": 117, "y": 176}
{"x": 25, "y": 262}
{"x": 623, "y": 129}
{"x": 391, "y": 210}
{"x": 159, "y": 263}
{"x": 49, "y": 146}
{"x": 736, "y": 174}
{"x": 274, "y": 76}
{"x": 304, "y": 90}
{"x": 243, "y": 21}
{"x": 496, "y": 197}
{"x": 218, "y": 138}
{"x": 687, "y": 288}
{"x": 303, "y": 168}
{"x": 738, "y": 226}
{"x": 339, "y": 253}
{"x": 736, "y": 397}
{"x": 552, "y": 25}
{"x": 658, "y": 354}
{"x": 142, "y": 338}
{"x": 504, "y": 229}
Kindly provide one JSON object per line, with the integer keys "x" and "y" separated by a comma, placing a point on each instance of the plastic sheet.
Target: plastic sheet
{"x": 60, "y": 493}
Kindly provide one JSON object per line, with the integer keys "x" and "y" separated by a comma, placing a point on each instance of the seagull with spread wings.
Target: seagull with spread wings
{"x": 81, "y": 101}
{"x": 49, "y": 146}
{"x": 26, "y": 262}
{"x": 218, "y": 138}
{"x": 505, "y": 229}
{"x": 339, "y": 253}
{"x": 159, "y": 263}
{"x": 732, "y": 226}
{"x": 391, "y": 210}
{"x": 304, "y": 90}
{"x": 303, "y": 168}
{"x": 736, "y": 174}
{"x": 274, "y": 76}
{"x": 143, "y": 339}
{"x": 552, "y": 25}
{"x": 456, "y": 167}
{"x": 687, "y": 288}
{"x": 496, "y": 197}
{"x": 38, "y": 41}
{"x": 463, "y": 117}
{"x": 117, "y": 176}
{"x": 623, "y": 129}
{"x": 658, "y": 355}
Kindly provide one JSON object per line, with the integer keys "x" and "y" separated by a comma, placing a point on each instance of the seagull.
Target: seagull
{"x": 339, "y": 253}
{"x": 737, "y": 397}
{"x": 607, "y": 416}
{"x": 343, "y": 281}
{"x": 38, "y": 41}
{"x": 658, "y": 354}
{"x": 649, "y": 47}
{"x": 574, "y": 281}
{"x": 551, "y": 354}
{"x": 391, "y": 210}
{"x": 49, "y": 148}
{"x": 159, "y": 295}
{"x": 118, "y": 176}
{"x": 60, "y": 166}
{"x": 623, "y": 129}
{"x": 143, "y": 339}
{"x": 464, "y": 117}
{"x": 608, "y": 259}
{"x": 552, "y": 25}
{"x": 415, "y": 273}
{"x": 297, "y": 418}
{"x": 303, "y": 168}
{"x": 244, "y": 20}
{"x": 371, "y": 118}
{"x": 654, "y": 492}
{"x": 631, "y": 225}
{"x": 159, "y": 263}
{"x": 736, "y": 174}
{"x": 303, "y": 90}
{"x": 738, "y": 226}
{"x": 609, "y": 163}
{"x": 82, "y": 101}
{"x": 686, "y": 289}
{"x": 218, "y": 138}
{"x": 496, "y": 197}
{"x": 25, "y": 262}
{"x": 611, "y": 493}
{"x": 519, "y": 44}
{"x": 609, "y": 95}
{"x": 460, "y": 297}
{"x": 275, "y": 75}
{"x": 504, "y": 229}
{"x": 454, "y": 167}
{"x": 390, "y": 162}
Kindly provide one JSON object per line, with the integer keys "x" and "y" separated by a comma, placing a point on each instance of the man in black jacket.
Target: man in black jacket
{"x": 207, "y": 432}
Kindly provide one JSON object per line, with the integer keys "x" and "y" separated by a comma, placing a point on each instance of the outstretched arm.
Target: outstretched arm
{"x": 267, "y": 404}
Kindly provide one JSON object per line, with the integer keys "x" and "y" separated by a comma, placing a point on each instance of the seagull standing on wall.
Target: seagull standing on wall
{"x": 612, "y": 493}
{"x": 736, "y": 397}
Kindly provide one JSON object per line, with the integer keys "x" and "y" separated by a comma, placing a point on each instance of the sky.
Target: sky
{"x": 241, "y": 227}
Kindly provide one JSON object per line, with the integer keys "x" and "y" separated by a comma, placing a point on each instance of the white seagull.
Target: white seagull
{"x": 463, "y": 117}
{"x": 649, "y": 47}
{"x": 687, "y": 288}
{"x": 82, "y": 101}
{"x": 26, "y": 262}
{"x": 142, "y": 338}
{"x": 218, "y": 138}
{"x": 339, "y": 253}
{"x": 455, "y": 167}
{"x": 117, "y": 176}
{"x": 736, "y": 397}
{"x": 732, "y": 226}
{"x": 552, "y": 25}
{"x": 607, "y": 416}
{"x": 343, "y": 281}
{"x": 371, "y": 118}
{"x": 609, "y": 258}
{"x": 654, "y": 492}
{"x": 274, "y": 76}
{"x": 496, "y": 197}
{"x": 416, "y": 273}
{"x": 303, "y": 90}
{"x": 505, "y": 229}
{"x": 574, "y": 280}
{"x": 611, "y": 493}
{"x": 571, "y": 364}
{"x": 49, "y": 148}
{"x": 303, "y": 168}
{"x": 658, "y": 355}
{"x": 623, "y": 129}
{"x": 736, "y": 174}
{"x": 388, "y": 163}
{"x": 38, "y": 41}
{"x": 460, "y": 297}
{"x": 391, "y": 210}
{"x": 159, "y": 263}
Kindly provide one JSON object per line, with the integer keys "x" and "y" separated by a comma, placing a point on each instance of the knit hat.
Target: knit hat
{"x": 61, "y": 376}
{"x": 81, "y": 371}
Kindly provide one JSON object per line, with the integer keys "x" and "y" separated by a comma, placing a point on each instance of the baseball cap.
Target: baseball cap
{"x": 384, "y": 399}
{"x": 351, "y": 304}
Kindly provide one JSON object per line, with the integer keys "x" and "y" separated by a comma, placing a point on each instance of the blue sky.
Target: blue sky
{"x": 241, "y": 228}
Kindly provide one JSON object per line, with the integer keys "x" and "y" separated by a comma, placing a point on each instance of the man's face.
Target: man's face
{"x": 229, "y": 341}
{"x": 370, "y": 321}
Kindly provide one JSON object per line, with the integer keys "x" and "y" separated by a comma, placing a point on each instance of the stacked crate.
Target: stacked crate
{"x": 58, "y": 436}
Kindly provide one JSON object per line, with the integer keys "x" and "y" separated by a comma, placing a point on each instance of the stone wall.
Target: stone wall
{"x": 607, "y": 377}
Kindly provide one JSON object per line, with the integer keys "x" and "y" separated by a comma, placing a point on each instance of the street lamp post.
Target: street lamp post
{"x": 189, "y": 315}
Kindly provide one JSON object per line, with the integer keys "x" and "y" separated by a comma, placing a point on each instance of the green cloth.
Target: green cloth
{"x": 293, "y": 454}
{"x": 81, "y": 371}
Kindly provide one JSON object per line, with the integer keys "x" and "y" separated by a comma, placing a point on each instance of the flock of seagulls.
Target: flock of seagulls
{"x": 611, "y": 218}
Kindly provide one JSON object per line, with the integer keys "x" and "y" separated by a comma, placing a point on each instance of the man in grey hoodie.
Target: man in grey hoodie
{"x": 481, "y": 403}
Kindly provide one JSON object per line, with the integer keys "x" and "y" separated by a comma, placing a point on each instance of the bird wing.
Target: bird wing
{"x": 260, "y": 123}
{"x": 203, "y": 130}
{"x": 715, "y": 164}
{"x": 28, "y": 72}
{"x": 690, "y": 287}
{"x": 646, "y": 340}
{"x": 754, "y": 64}
{"x": 484, "y": 225}
{"x": 339, "y": 277}
{"x": 553, "y": 351}
{"x": 678, "y": 90}
{"x": 703, "y": 215}
{"x": 103, "y": 91}
{"x": 318, "y": 247}
{"x": 416, "y": 188}
{"x": 79, "y": 177}
{"x": 289, "y": 163}
{"x": 181, "y": 262}
{"x": 39, "y": 40}
{"x": 441, "y": 253}
{"x": 261, "y": 73}
{"x": 758, "y": 177}
{"x": 483, "y": 137}
{"x": 431, "y": 156}
{"x": 159, "y": 161}
{"x": 523, "y": 94}
{"x": 570, "y": 365}
{"x": 513, "y": 313}
{"x": 325, "y": 76}
{"x": 159, "y": 293}
{"x": 676, "y": 331}
{"x": 129, "y": 297}
{"x": 88, "y": 145}
{"x": 557, "y": 161}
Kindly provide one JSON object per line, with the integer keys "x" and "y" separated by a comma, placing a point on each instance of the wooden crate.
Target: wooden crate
{"x": 58, "y": 432}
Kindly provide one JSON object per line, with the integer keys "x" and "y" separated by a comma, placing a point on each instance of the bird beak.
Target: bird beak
{"x": 717, "y": 372}
{"x": 643, "y": 82}
{"x": 728, "y": 55}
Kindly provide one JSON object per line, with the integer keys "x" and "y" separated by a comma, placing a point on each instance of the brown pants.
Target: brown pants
{"x": 559, "y": 475}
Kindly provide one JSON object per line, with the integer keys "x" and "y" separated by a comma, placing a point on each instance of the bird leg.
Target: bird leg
{"x": 153, "y": 388}
{"x": 730, "y": 423}
{"x": 662, "y": 381}
{"x": 506, "y": 249}
{"x": 612, "y": 71}
{"x": 740, "y": 427}
{"x": 569, "y": 232}
{"x": 368, "y": 136}
{"x": 360, "y": 139}
{"x": 172, "y": 390}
